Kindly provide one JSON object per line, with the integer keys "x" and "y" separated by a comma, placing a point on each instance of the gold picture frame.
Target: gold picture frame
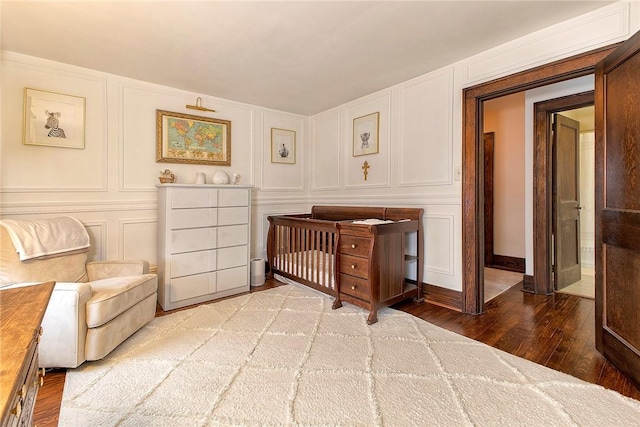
{"x": 53, "y": 119}
{"x": 366, "y": 134}
{"x": 183, "y": 138}
{"x": 283, "y": 146}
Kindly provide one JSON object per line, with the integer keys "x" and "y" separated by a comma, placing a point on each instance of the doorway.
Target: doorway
{"x": 473, "y": 187}
{"x": 581, "y": 248}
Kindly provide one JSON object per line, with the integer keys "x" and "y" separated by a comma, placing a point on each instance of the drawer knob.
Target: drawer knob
{"x": 353, "y": 246}
{"x": 353, "y": 266}
{"x": 353, "y": 287}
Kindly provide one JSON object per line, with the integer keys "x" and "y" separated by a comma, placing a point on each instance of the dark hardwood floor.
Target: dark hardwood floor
{"x": 556, "y": 331}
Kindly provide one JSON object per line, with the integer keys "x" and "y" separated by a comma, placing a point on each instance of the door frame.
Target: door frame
{"x": 473, "y": 173}
{"x": 542, "y": 164}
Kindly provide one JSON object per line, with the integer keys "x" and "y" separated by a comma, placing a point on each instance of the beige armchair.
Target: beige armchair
{"x": 94, "y": 307}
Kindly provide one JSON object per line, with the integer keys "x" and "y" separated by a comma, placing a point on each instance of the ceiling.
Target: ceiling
{"x": 298, "y": 56}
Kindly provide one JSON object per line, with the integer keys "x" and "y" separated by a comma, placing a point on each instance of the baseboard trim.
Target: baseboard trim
{"x": 442, "y": 297}
{"x": 504, "y": 262}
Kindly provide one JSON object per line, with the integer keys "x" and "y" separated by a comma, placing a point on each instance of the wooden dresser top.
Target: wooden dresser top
{"x": 21, "y": 313}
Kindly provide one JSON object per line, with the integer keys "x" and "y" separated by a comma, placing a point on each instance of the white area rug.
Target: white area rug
{"x": 283, "y": 357}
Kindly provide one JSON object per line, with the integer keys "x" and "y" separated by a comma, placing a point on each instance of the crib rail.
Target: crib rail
{"x": 304, "y": 250}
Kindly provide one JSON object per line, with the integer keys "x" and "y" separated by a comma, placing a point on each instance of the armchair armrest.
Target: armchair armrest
{"x": 98, "y": 270}
{"x": 65, "y": 327}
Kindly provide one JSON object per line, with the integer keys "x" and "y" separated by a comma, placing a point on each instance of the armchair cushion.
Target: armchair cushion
{"x": 112, "y": 297}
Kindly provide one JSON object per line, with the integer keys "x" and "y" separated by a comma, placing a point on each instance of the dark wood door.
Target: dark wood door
{"x": 566, "y": 203}
{"x": 617, "y": 106}
{"x": 489, "y": 138}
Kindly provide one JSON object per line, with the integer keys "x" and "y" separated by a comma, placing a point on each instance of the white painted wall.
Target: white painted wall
{"x": 422, "y": 119}
{"x": 505, "y": 117}
{"x": 110, "y": 185}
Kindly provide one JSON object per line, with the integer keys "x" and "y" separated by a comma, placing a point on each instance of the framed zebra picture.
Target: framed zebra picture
{"x": 53, "y": 119}
{"x": 283, "y": 146}
{"x": 183, "y": 138}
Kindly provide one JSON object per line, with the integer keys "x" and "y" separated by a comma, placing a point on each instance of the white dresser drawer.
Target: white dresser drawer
{"x": 193, "y": 239}
{"x": 192, "y": 286}
{"x": 189, "y": 263}
{"x": 232, "y": 278}
{"x": 232, "y": 216}
{"x": 194, "y": 198}
{"x": 233, "y": 197}
{"x": 193, "y": 218}
{"x": 233, "y": 235}
{"x": 235, "y": 256}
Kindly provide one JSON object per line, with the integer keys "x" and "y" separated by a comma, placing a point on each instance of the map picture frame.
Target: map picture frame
{"x": 185, "y": 138}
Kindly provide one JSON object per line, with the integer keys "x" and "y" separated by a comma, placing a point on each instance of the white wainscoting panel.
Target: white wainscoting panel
{"x": 379, "y": 164}
{"x": 325, "y": 151}
{"x": 97, "y": 231}
{"x": 601, "y": 27}
{"x": 139, "y": 170}
{"x": 30, "y": 163}
{"x": 282, "y": 176}
{"x": 424, "y": 130}
{"x": 138, "y": 239}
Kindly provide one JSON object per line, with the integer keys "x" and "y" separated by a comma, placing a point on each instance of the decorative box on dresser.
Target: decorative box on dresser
{"x": 22, "y": 310}
{"x": 203, "y": 242}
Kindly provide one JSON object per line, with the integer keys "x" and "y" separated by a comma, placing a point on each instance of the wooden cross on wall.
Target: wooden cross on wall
{"x": 365, "y": 169}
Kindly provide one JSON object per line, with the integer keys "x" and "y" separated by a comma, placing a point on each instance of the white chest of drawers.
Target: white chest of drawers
{"x": 203, "y": 242}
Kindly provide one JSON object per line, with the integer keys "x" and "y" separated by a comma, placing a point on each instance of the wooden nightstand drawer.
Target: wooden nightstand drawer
{"x": 358, "y": 246}
{"x": 355, "y": 287}
{"x": 354, "y": 266}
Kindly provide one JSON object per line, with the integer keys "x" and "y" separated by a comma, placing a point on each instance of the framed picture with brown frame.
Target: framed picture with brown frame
{"x": 365, "y": 134}
{"x": 183, "y": 138}
{"x": 283, "y": 146}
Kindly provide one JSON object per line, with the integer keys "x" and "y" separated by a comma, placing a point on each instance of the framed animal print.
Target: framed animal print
{"x": 283, "y": 146}
{"x": 365, "y": 134}
{"x": 53, "y": 119}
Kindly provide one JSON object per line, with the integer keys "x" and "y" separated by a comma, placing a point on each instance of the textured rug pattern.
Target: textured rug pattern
{"x": 284, "y": 357}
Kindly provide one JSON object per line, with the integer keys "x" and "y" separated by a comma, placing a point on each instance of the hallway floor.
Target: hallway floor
{"x": 497, "y": 281}
{"x": 585, "y": 287}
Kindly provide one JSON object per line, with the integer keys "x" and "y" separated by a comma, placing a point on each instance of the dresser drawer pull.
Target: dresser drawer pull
{"x": 353, "y": 266}
{"x": 17, "y": 410}
{"x": 353, "y": 287}
{"x": 353, "y": 246}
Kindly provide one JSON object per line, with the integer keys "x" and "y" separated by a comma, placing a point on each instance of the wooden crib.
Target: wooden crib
{"x": 356, "y": 254}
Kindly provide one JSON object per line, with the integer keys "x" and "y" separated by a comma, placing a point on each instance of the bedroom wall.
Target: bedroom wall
{"x": 421, "y": 135}
{"x": 110, "y": 185}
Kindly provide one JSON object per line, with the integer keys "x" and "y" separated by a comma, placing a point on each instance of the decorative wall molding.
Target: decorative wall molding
{"x": 131, "y": 232}
{"x": 377, "y": 102}
{"x": 98, "y": 232}
{"x": 71, "y": 207}
{"x": 318, "y": 148}
{"x": 425, "y": 102}
{"x": 449, "y": 221}
{"x": 11, "y": 60}
{"x": 601, "y": 27}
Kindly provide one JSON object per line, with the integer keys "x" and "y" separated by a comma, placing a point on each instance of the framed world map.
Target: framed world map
{"x": 183, "y": 138}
